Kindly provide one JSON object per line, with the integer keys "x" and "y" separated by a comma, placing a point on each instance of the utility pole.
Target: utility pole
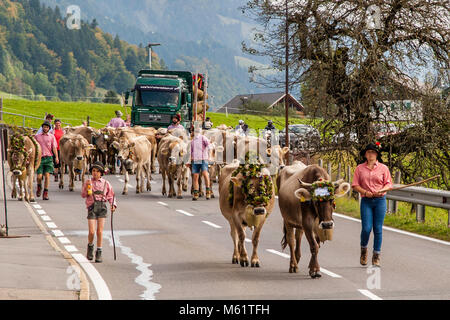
{"x": 286, "y": 102}
{"x": 150, "y": 45}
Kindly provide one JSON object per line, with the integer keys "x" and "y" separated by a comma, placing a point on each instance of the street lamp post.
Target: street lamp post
{"x": 150, "y": 45}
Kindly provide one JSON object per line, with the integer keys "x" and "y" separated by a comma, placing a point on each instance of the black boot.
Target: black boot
{"x": 98, "y": 255}
{"x": 90, "y": 252}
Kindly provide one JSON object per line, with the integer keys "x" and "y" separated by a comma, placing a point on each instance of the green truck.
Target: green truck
{"x": 158, "y": 95}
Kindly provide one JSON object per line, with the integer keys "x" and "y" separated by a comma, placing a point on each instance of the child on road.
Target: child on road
{"x": 97, "y": 192}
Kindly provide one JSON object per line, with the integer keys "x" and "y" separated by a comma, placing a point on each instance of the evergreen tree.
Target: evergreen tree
{"x": 111, "y": 97}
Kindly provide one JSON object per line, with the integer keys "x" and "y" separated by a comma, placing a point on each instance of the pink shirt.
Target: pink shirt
{"x": 117, "y": 122}
{"x": 47, "y": 142}
{"x": 98, "y": 185}
{"x": 199, "y": 148}
{"x": 173, "y": 126}
{"x": 372, "y": 179}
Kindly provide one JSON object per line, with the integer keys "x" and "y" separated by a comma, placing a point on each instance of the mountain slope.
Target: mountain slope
{"x": 40, "y": 55}
{"x": 195, "y": 32}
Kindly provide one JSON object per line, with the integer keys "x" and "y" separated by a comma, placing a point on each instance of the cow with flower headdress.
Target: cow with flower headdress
{"x": 306, "y": 199}
{"x": 247, "y": 197}
{"x": 24, "y": 157}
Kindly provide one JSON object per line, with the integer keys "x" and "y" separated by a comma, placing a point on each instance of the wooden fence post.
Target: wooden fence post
{"x": 338, "y": 174}
{"x": 88, "y": 121}
{"x": 329, "y": 169}
{"x": 420, "y": 209}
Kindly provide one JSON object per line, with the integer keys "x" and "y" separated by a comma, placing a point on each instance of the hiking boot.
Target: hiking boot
{"x": 208, "y": 193}
{"x": 38, "y": 190}
{"x": 376, "y": 259}
{"x": 363, "y": 259}
{"x": 195, "y": 196}
{"x": 45, "y": 195}
{"x": 98, "y": 255}
{"x": 90, "y": 252}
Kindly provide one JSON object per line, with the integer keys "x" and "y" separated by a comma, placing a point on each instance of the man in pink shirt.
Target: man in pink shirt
{"x": 49, "y": 146}
{"x": 199, "y": 162}
{"x": 372, "y": 179}
{"x": 117, "y": 122}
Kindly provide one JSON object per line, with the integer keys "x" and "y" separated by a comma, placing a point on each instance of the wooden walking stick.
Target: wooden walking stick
{"x": 112, "y": 231}
{"x": 415, "y": 183}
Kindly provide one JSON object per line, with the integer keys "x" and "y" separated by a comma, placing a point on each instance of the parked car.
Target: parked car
{"x": 301, "y": 137}
{"x": 345, "y": 137}
{"x": 385, "y": 129}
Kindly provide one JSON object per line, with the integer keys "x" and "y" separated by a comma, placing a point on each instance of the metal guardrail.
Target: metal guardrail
{"x": 25, "y": 117}
{"x": 421, "y": 197}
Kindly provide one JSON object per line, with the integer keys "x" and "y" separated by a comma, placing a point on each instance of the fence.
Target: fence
{"x": 419, "y": 196}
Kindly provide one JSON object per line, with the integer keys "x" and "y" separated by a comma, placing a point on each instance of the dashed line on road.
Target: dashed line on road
{"x": 51, "y": 225}
{"x": 185, "y": 213}
{"x": 163, "y": 203}
{"x": 46, "y": 218}
{"x": 212, "y": 224}
{"x": 58, "y": 233}
{"x": 63, "y": 240}
{"x": 287, "y": 256}
{"x": 41, "y": 212}
{"x": 71, "y": 248}
{"x": 248, "y": 240}
{"x": 369, "y": 294}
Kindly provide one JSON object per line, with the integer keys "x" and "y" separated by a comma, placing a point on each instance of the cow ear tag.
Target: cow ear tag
{"x": 302, "y": 199}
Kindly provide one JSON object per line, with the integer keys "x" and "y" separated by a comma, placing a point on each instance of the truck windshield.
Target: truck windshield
{"x": 157, "y": 96}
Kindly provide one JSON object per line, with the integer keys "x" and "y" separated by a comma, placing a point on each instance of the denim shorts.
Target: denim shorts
{"x": 198, "y": 166}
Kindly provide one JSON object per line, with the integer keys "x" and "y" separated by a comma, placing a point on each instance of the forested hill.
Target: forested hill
{"x": 39, "y": 54}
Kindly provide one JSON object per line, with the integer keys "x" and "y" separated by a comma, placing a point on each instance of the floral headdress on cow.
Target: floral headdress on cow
{"x": 17, "y": 144}
{"x": 252, "y": 170}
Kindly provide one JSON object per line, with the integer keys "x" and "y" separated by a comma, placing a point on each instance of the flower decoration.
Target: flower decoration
{"x": 322, "y": 191}
{"x": 256, "y": 195}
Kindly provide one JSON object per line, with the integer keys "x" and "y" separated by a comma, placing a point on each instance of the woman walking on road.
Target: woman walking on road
{"x": 372, "y": 179}
{"x": 97, "y": 192}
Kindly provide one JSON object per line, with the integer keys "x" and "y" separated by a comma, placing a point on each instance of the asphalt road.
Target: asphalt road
{"x": 180, "y": 249}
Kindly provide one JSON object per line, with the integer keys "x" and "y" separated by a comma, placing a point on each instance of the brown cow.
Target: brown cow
{"x": 23, "y": 163}
{"x": 135, "y": 153}
{"x": 240, "y": 212}
{"x": 150, "y": 133}
{"x": 305, "y": 214}
{"x": 75, "y": 152}
{"x": 172, "y": 158}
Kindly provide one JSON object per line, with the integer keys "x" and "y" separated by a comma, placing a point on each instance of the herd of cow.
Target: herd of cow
{"x": 138, "y": 149}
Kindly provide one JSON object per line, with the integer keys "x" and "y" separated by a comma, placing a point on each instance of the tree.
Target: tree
{"x": 111, "y": 97}
{"x": 352, "y": 55}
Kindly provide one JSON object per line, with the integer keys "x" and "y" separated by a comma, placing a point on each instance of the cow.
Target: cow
{"x": 24, "y": 157}
{"x": 135, "y": 154}
{"x": 75, "y": 152}
{"x": 307, "y": 207}
{"x": 239, "y": 204}
{"x": 150, "y": 134}
{"x": 172, "y": 158}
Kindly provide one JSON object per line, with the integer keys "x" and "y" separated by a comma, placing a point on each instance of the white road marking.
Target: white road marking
{"x": 369, "y": 294}
{"x": 58, "y": 233}
{"x": 163, "y": 203}
{"x": 287, "y": 256}
{"x": 146, "y": 275}
{"x": 329, "y": 273}
{"x": 397, "y": 230}
{"x": 185, "y": 213}
{"x": 71, "y": 248}
{"x": 248, "y": 240}
{"x": 101, "y": 288}
{"x": 121, "y": 180}
{"x": 281, "y": 254}
{"x": 212, "y": 224}
{"x": 46, "y": 218}
{"x": 117, "y": 176}
{"x": 51, "y": 225}
{"x": 64, "y": 240}
{"x": 41, "y": 212}
{"x": 37, "y": 206}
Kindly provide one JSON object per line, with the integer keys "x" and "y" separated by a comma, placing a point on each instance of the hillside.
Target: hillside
{"x": 195, "y": 35}
{"x": 39, "y": 55}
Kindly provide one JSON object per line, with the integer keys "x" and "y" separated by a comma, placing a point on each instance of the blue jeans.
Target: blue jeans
{"x": 373, "y": 211}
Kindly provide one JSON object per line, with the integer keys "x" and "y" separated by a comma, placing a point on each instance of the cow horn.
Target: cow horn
{"x": 305, "y": 184}
{"x": 337, "y": 182}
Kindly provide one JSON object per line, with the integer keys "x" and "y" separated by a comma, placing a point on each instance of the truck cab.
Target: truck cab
{"x": 158, "y": 95}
